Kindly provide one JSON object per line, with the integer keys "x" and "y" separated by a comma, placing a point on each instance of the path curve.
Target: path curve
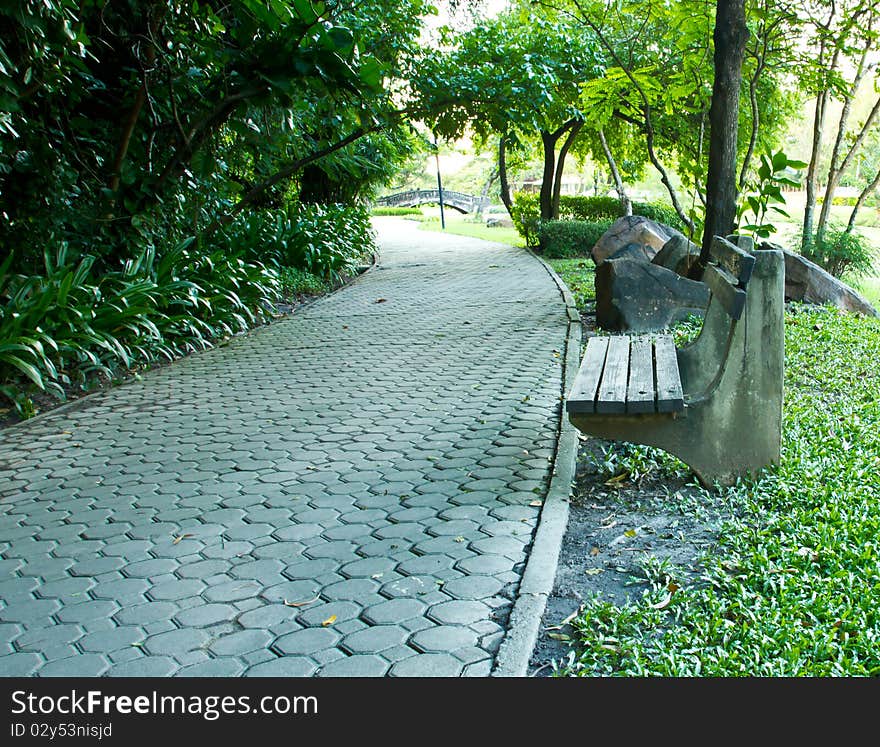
{"x": 351, "y": 491}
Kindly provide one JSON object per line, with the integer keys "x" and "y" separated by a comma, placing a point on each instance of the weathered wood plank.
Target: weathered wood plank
{"x": 582, "y": 397}
{"x": 734, "y": 260}
{"x": 640, "y": 392}
{"x": 724, "y": 288}
{"x": 669, "y": 394}
{"x": 612, "y": 389}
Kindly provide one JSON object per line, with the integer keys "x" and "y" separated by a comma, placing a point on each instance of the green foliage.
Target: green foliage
{"x": 295, "y": 282}
{"x": 843, "y": 253}
{"x": 600, "y": 211}
{"x": 68, "y": 324}
{"x": 560, "y": 239}
{"x": 763, "y": 194}
{"x": 328, "y": 241}
{"x": 579, "y": 276}
{"x": 789, "y": 587}
{"x": 395, "y": 211}
{"x": 526, "y": 216}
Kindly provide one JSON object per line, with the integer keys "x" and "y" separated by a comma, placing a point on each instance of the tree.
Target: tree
{"x": 132, "y": 124}
{"x": 516, "y": 76}
{"x": 731, "y": 34}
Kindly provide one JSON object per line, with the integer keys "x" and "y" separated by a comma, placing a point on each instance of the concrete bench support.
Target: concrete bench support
{"x": 731, "y": 376}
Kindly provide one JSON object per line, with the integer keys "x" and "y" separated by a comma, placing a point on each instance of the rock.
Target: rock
{"x": 633, "y": 251}
{"x": 495, "y": 221}
{"x": 806, "y": 281}
{"x": 637, "y": 296}
{"x": 678, "y": 254}
{"x": 631, "y": 229}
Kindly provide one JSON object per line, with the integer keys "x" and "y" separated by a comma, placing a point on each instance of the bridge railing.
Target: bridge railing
{"x": 421, "y": 196}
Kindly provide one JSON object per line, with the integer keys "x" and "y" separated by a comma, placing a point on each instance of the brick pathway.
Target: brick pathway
{"x": 349, "y": 491}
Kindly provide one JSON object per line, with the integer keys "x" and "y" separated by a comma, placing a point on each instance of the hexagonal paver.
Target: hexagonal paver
{"x": 355, "y": 666}
{"x": 241, "y": 642}
{"x": 394, "y": 611}
{"x": 458, "y": 612}
{"x": 204, "y": 615}
{"x": 444, "y": 638}
{"x": 473, "y": 587}
{"x": 108, "y": 641}
{"x": 374, "y": 639}
{"x": 176, "y": 642}
{"x": 285, "y": 666}
{"x": 84, "y": 665}
{"x": 428, "y": 665}
{"x": 306, "y": 641}
{"x": 146, "y": 666}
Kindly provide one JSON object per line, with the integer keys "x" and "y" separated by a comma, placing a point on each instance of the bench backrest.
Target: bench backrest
{"x": 729, "y": 272}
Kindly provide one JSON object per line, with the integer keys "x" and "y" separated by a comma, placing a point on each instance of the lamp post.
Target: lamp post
{"x": 439, "y": 183}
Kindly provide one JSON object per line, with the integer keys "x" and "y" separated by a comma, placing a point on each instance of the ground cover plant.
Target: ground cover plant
{"x": 791, "y": 584}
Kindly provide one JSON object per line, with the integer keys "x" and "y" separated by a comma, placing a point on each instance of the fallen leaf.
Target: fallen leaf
{"x": 300, "y": 604}
{"x": 458, "y": 539}
{"x": 536, "y": 503}
{"x": 630, "y": 533}
{"x": 381, "y": 300}
{"x": 181, "y": 537}
{"x": 559, "y": 636}
{"x": 593, "y": 571}
{"x": 594, "y": 551}
{"x": 663, "y": 603}
{"x": 329, "y": 621}
{"x": 673, "y": 587}
{"x": 377, "y": 575}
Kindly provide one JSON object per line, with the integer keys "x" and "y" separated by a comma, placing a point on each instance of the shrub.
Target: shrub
{"x": 589, "y": 208}
{"x": 326, "y": 240}
{"x": 295, "y": 282}
{"x": 67, "y": 324}
{"x": 526, "y": 215}
{"x": 560, "y": 239}
{"x": 843, "y": 253}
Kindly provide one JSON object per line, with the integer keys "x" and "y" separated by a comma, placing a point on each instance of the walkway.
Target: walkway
{"x": 351, "y": 491}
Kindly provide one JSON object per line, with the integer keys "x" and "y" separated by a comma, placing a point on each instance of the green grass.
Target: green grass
{"x": 792, "y": 589}
{"x": 870, "y": 289}
{"x": 578, "y": 274}
{"x": 461, "y": 225}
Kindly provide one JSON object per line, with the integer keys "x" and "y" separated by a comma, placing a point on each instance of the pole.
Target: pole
{"x": 439, "y": 183}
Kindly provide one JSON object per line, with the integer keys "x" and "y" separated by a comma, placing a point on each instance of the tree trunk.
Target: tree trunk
{"x": 625, "y": 202}
{"x": 861, "y": 201}
{"x": 731, "y": 35}
{"x": 546, "y": 200}
{"x": 506, "y": 199}
{"x": 560, "y": 167}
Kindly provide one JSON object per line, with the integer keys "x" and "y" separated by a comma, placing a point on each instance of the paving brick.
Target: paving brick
{"x": 306, "y": 641}
{"x": 176, "y": 642}
{"x": 428, "y": 665}
{"x": 285, "y": 666}
{"x": 241, "y": 642}
{"x": 83, "y": 665}
{"x": 355, "y": 666}
{"x": 374, "y": 639}
{"x": 204, "y": 615}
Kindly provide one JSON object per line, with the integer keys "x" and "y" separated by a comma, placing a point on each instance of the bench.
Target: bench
{"x": 715, "y": 403}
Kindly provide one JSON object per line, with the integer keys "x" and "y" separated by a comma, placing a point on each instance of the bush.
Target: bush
{"x": 843, "y": 253}
{"x": 64, "y": 326}
{"x": 295, "y": 282}
{"x": 560, "y": 239}
{"x": 326, "y": 240}
{"x": 395, "y": 211}
{"x": 526, "y": 214}
{"x": 599, "y": 210}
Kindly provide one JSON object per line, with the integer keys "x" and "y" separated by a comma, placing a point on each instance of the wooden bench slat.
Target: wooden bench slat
{"x": 582, "y": 397}
{"x": 612, "y": 388}
{"x": 724, "y": 287}
{"x": 736, "y": 261}
{"x": 669, "y": 394}
{"x": 640, "y": 392}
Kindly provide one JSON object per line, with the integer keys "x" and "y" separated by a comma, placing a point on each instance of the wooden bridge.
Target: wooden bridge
{"x": 457, "y": 200}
